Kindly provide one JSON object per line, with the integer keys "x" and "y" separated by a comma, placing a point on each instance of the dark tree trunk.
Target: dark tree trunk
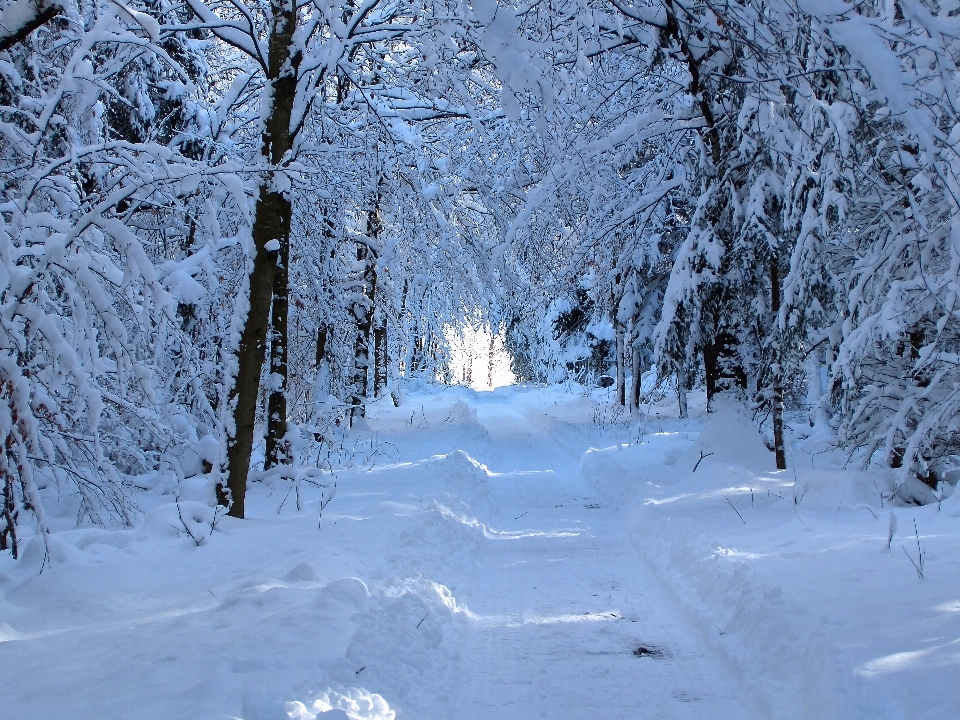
{"x": 722, "y": 366}
{"x": 682, "y": 388}
{"x": 710, "y": 371}
{"x": 364, "y": 313}
{"x": 416, "y": 353}
{"x": 271, "y": 223}
{"x": 428, "y": 360}
{"x": 635, "y": 389}
{"x": 278, "y": 449}
{"x": 778, "y": 443}
{"x": 380, "y": 358}
{"x": 621, "y": 370}
{"x": 323, "y": 332}
{"x": 777, "y": 370}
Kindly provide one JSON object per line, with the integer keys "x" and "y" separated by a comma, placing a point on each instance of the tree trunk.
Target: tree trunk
{"x": 415, "y": 352}
{"x": 621, "y": 370}
{"x": 722, "y": 367}
{"x": 778, "y": 442}
{"x": 776, "y": 369}
{"x": 493, "y": 339}
{"x": 271, "y": 223}
{"x": 363, "y": 312}
{"x": 710, "y": 371}
{"x": 278, "y": 448}
{"x": 635, "y": 389}
{"x": 380, "y": 358}
{"x": 323, "y": 333}
{"x": 682, "y": 388}
{"x": 321, "y": 382}
{"x": 814, "y": 383}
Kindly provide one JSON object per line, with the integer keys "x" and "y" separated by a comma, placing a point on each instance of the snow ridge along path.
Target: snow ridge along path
{"x": 493, "y": 556}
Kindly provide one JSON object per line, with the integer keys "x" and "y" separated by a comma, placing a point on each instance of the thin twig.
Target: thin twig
{"x": 735, "y": 509}
{"x": 919, "y": 571}
{"x": 186, "y": 527}
{"x": 880, "y": 494}
{"x": 702, "y": 456}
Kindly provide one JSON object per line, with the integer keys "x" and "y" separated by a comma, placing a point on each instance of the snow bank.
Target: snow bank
{"x": 788, "y": 575}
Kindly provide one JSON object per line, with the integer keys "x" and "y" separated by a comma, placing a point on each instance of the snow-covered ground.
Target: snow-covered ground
{"x": 511, "y": 554}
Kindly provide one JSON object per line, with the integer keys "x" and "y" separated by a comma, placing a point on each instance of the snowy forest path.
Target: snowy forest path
{"x": 470, "y": 572}
{"x": 565, "y": 621}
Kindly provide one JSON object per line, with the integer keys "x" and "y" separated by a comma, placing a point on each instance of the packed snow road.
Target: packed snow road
{"x": 500, "y": 556}
{"x": 566, "y": 623}
{"x": 464, "y": 569}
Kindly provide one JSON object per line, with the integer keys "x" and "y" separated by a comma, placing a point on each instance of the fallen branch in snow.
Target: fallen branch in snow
{"x": 880, "y": 494}
{"x": 702, "y": 456}
{"x": 326, "y": 501}
{"x": 735, "y": 509}
{"x": 374, "y": 451}
{"x": 187, "y": 527}
{"x": 218, "y": 512}
{"x": 918, "y": 564}
{"x": 863, "y": 506}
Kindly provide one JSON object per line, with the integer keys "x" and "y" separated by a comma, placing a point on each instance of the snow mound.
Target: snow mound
{"x": 439, "y": 527}
{"x": 398, "y": 641}
{"x": 263, "y": 707}
{"x": 462, "y": 414}
{"x": 55, "y": 550}
{"x": 728, "y": 440}
{"x": 729, "y": 437}
{"x": 459, "y": 422}
{"x": 200, "y": 488}
{"x": 459, "y": 464}
{"x": 345, "y": 596}
{"x": 353, "y": 703}
{"x": 189, "y": 518}
{"x": 302, "y": 572}
{"x": 621, "y": 471}
{"x": 463, "y": 475}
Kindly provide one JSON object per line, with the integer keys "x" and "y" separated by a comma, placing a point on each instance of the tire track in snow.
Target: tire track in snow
{"x": 559, "y": 602}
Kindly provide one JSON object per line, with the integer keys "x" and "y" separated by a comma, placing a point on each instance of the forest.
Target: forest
{"x": 237, "y": 234}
